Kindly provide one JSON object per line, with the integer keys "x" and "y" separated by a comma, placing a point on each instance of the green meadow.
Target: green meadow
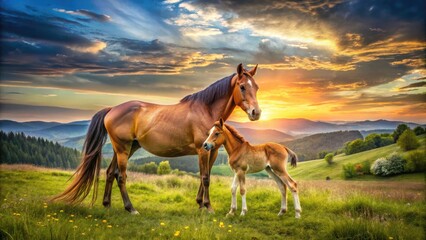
{"x": 334, "y": 209}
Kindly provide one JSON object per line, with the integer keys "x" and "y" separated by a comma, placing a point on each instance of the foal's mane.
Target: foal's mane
{"x": 235, "y": 133}
{"x": 211, "y": 93}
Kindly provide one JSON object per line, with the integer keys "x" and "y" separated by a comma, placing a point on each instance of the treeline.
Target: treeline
{"x": 374, "y": 140}
{"x": 17, "y": 148}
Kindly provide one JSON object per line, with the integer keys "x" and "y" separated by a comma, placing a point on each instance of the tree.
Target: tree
{"x": 164, "y": 168}
{"x": 398, "y": 131}
{"x": 329, "y": 158}
{"x": 408, "y": 140}
{"x": 149, "y": 168}
{"x": 419, "y": 130}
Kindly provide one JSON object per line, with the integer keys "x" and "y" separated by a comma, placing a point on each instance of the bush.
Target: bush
{"x": 349, "y": 171}
{"x": 391, "y": 165}
{"x": 148, "y": 168}
{"x": 164, "y": 168}
{"x": 408, "y": 140}
{"x": 398, "y": 131}
{"x": 329, "y": 158}
{"x": 419, "y": 130}
{"x": 366, "y": 165}
{"x": 322, "y": 154}
{"x": 416, "y": 161}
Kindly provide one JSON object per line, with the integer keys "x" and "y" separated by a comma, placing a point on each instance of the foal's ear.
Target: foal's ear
{"x": 221, "y": 122}
{"x": 253, "y": 70}
{"x": 240, "y": 70}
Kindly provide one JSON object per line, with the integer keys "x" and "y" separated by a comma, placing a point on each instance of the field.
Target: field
{"x": 331, "y": 209}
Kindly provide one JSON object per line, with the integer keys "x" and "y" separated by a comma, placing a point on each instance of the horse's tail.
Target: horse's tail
{"x": 87, "y": 174}
{"x": 292, "y": 157}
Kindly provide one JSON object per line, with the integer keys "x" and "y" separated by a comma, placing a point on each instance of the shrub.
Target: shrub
{"x": 322, "y": 154}
{"x": 329, "y": 158}
{"x": 408, "y": 140}
{"x": 349, "y": 171}
{"x": 398, "y": 131}
{"x": 391, "y": 165}
{"x": 148, "y": 168}
{"x": 416, "y": 161}
{"x": 419, "y": 130}
{"x": 366, "y": 165}
{"x": 164, "y": 168}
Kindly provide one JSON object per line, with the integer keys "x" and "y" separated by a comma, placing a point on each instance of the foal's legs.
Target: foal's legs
{"x": 293, "y": 187}
{"x": 283, "y": 190}
{"x": 242, "y": 180}
{"x": 234, "y": 195}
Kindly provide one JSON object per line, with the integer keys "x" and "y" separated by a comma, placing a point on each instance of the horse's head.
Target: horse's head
{"x": 216, "y": 137}
{"x": 245, "y": 92}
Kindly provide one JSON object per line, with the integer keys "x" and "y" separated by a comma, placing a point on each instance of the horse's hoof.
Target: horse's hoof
{"x": 230, "y": 214}
{"x": 210, "y": 210}
{"x": 243, "y": 213}
{"x": 134, "y": 212}
{"x": 282, "y": 211}
{"x": 297, "y": 214}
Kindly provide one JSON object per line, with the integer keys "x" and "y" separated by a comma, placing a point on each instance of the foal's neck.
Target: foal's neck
{"x": 231, "y": 143}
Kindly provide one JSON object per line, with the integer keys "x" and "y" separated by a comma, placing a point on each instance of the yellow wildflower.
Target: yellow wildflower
{"x": 75, "y": 226}
{"x": 177, "y": 233}
{"x": 72, "y": 215}
{"x": 153, "y": 229}
{"x": 89, "y": 216}
{"x": 61, "y": 210}
{"x": 104, "y": 221}
{"x": 162, "y": 224}
{"x": 186, "y": 227}
{"x": 71, "y": 221}
{"x": 110, "y": 226}
{"x": 229, "y": 226}
{"x": 221, "y": 225}
{"x": 48, "y": 216}
{"x": 45, "y": 206}
{"x": 83, "y": 234}
{"x": 214, "y": 220}
{"x": 229, "y": 230}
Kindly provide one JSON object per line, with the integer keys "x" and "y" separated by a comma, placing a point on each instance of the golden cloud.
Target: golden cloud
{"x": 95, "y": 47}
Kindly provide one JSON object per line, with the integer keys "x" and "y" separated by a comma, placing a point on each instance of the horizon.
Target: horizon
{"x": 331, "y": 61}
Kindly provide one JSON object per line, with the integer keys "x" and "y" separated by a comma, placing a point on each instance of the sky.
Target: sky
{"x": 328, "y": 60}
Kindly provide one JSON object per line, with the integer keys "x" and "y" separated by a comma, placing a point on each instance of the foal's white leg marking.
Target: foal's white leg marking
{"x": 297, "y": 204}
{"x": 234, "y": 195}
{"x": 282, "y": 188}
{"x": 244, "y": 205}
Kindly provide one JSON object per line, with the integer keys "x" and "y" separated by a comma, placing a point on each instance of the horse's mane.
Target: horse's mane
{"x": 235, "y": 133}
{"x": 211, "y": 93}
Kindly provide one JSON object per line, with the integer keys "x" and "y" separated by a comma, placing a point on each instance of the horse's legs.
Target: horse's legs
{"x": 292, "y": 185}
{"x": 242, "y": 180}
{"x": 123, "y": 150}
{"x": 234, "y": 195}
{"x": 109, "y": 181}
{"x": 113, "y": 171}
{"x": 283, "y": 190}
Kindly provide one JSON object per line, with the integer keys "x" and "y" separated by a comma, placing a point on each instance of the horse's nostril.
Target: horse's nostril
{"x": 253, "y": 112}
{"x": 205, "y": 146}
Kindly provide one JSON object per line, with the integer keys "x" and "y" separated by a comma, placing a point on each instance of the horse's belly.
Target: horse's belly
{"x": 168, "y": 148}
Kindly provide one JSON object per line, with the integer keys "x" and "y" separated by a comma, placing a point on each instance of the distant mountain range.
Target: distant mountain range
{"x": 301, "y": 126}
{"x": 276, "y": 130}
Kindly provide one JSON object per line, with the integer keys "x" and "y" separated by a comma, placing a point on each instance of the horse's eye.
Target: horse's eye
{"x": 216, "y": 134}
{"x": 242, "y": 88}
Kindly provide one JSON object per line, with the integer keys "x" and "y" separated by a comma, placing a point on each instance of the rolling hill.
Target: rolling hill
{"x": 319, "y": 169}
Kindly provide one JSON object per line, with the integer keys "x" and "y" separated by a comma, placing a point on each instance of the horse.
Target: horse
{"x": 245, "y": 158}
{"x": 163, "y": 130}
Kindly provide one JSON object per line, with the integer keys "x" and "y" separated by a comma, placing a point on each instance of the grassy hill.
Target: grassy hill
{"x": 331, "y": 209}
{"x": 319, "y": 169}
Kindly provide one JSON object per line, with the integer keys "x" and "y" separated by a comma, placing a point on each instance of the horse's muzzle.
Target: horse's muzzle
{"x": 207, "y": 146}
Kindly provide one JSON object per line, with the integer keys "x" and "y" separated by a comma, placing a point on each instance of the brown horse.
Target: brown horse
{"x": 245, "y": 158}
{"x": 163, "y": 130}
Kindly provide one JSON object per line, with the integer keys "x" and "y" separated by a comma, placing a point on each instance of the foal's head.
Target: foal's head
{"x": 216, "y": 136}
{"x": 245, "y": 92}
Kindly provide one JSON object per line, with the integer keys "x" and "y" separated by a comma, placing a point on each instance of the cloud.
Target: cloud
{"x": 415, "y": 85}
{"x": 86, "y": 13}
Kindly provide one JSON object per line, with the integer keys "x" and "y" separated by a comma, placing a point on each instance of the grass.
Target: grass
{"x": 331, "y": 209}
{"x": 319, "y": 169}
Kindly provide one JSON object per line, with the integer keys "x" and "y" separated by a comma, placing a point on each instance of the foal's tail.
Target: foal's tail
{"x": 292, "y": 157}
{"x": 87, "y": 173}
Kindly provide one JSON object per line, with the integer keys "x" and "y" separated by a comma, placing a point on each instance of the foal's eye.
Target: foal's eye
{"x": 216, "y": 134}
{"x": 242, "y": 88}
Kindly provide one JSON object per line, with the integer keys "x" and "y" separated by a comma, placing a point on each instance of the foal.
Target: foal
{"x": 245, "y": 158}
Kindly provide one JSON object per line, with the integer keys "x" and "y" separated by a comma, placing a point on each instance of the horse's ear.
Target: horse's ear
{"x": 221, "y": 122}
{"x": 240, "y": 70}
{"x": 253, "y": 70}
